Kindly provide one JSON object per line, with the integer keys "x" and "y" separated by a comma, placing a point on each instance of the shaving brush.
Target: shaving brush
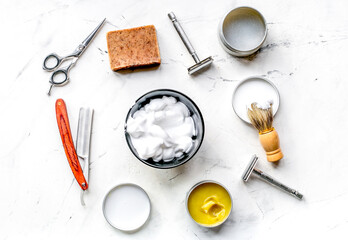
{"x": 262, "y": 119}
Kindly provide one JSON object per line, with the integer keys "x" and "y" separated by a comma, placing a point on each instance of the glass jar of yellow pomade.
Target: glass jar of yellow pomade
{"x": 209, "y": 203}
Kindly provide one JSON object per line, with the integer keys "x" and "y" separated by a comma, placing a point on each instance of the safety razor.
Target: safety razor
{"x": 199, "y": 64}
{"x": 251, "y": 169}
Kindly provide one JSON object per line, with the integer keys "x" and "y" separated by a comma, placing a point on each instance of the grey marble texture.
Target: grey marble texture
{"x": 305, "y": 56}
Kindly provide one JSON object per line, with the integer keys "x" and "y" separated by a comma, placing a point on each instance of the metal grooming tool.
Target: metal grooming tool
{"x": 251, "y": 169}
{"x": 64, "y": 71}
{"x": 199, "y": 64}
{"x": 83, "y": 141}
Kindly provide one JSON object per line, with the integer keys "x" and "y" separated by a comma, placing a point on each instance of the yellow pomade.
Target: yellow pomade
{"x": 209, "y": 204}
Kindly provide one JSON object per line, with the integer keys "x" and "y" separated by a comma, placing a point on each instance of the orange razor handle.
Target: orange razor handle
{"x": 68, "y": 144}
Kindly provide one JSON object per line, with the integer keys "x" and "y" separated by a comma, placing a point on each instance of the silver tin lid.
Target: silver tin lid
{"x": 254, "y": 89}
{"x": 120, "y": 206}
{"x": 242, "y": 31}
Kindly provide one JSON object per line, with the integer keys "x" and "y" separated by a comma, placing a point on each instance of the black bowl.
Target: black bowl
{"x": 194, "y": 113}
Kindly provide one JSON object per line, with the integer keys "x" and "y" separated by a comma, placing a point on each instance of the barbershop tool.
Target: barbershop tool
{"x": 68, "y": 144}
{"x": 251, "y": 169}
{"x": 262, "y": 119}
{"x": 199, "y": 64}
{"x": 83, "y": 141}
{"x": 55, "y": 80}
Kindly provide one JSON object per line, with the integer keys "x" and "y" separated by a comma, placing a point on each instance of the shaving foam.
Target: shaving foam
{"x": 162, "y": 130}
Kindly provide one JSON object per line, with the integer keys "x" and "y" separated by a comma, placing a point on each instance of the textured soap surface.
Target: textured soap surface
{"x": 135, "y": 47}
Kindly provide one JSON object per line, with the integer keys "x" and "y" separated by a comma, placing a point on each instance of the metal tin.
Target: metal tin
{"x": 193, "y": 188}
{"x": 195, "y": 114}
{"x": 277, "y": 100}
{"x": 119, "y": 227}
{"x": 242, "y": 31}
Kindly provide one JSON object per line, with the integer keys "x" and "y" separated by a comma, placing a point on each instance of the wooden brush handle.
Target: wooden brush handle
{"x": 270, "y": 142}
{"x": 70, "y": 152}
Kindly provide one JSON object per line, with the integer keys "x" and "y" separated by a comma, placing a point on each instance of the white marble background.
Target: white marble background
{"x": 305, "y": 55}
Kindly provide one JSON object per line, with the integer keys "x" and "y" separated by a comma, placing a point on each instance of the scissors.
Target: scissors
{"x": 57, "y": 80}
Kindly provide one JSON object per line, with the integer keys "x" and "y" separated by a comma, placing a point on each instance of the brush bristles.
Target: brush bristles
{"x": 261, "y": 119}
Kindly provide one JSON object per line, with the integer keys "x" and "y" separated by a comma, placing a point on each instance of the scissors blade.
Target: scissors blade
{"x": 90, "y": 37}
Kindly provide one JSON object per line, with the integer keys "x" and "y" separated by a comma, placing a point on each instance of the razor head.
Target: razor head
{"x": 248, "y": 171}
{"x": 200, "y": 65}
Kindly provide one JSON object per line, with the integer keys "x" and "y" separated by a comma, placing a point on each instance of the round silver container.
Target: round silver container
{"x": 264, "y": 95}
{"x": 193, "y": 188}
{"x": 242, "y": 31}
{"x": 115, "y": 225}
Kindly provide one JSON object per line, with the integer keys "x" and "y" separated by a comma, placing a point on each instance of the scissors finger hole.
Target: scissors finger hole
{"x": 51, "y": 62}
{"x": 59, "y": 77}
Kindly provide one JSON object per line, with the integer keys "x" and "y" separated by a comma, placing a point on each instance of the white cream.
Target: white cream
{"x": 264, "y": 105}
{"x": 162, "y": 129}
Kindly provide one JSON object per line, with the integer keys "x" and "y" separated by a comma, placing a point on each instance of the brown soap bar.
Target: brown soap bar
{"x": 135, "y": 47}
